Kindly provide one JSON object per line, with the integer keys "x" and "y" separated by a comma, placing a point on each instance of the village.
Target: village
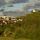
{"x": 8, "y": 20}
{"x": 12, "y": 19}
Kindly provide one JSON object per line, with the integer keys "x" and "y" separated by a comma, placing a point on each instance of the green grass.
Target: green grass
{"x": 10, "y": 38}
{"x": 28, "y": 29}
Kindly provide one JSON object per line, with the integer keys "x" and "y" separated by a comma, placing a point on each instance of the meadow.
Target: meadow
{"x": 27, "y": 29}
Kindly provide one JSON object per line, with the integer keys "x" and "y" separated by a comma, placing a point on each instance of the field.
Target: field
{"x": 26, "y": 29}
{"x": 9, "y": 38}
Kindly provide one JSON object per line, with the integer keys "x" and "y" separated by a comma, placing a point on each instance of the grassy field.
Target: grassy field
{"x": 9, "y": 38}
{"x": 28, "y": 29}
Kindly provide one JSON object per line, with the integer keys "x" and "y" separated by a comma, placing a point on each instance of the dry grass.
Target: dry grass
{"x": 9, "y": 38}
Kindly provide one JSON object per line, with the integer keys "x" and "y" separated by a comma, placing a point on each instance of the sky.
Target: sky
{"x": 17, "y": 1}
{"x": 7, "y": 1}
{"x": 15, "y": 7}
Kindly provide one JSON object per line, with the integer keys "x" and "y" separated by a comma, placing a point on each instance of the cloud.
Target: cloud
{"x": 16, "y": 1}
{"x": 1, "y": 1}
{"x": 7, "y": 1}
{"x": 21, "y": 1}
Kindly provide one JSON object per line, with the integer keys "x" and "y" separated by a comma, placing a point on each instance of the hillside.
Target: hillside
{"x": 28, "y": 28}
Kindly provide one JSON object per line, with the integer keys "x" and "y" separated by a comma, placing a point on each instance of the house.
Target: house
{"x": 36, "y": 10}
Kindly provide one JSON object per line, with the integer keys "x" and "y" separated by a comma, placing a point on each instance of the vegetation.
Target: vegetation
{"x": 29, "y": 28}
